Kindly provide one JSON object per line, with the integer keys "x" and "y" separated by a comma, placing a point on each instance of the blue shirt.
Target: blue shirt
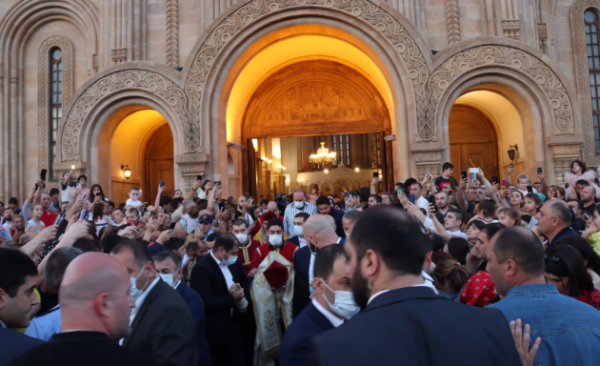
{"x": 45, "y": 326}
{"x": 569, "y": 328}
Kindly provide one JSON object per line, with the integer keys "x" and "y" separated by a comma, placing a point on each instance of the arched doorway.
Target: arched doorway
{"x": 141, "y": 140}
{"x": 303, "y": 105}
{"x": 473, "y": 141}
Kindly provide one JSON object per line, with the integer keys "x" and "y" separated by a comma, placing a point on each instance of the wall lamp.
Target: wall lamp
{"x": 513, "y": 153}
{"x": 126, "y": 171}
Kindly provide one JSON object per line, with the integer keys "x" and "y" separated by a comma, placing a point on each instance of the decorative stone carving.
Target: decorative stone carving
{"x": 511, "y": 26}
{"x": 543, "y": 37}
{"x": 147, "y": 81}
{"x": 582, "y": 75}
{"x": 119, "y": 55}
{"x": 173, "y": 33}
{"x": 378, "y": 18}
{"x": 452, "y": 21}
{"x": 512, "y": 29}
{"x": 517, "y": 59}
{"x": 43, "y": 88}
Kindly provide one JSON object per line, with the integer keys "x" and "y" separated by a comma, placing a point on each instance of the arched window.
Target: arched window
{"x": 56, "y": 98}
{"x": 342, "y": 149}
{"x": 592, "y": 22}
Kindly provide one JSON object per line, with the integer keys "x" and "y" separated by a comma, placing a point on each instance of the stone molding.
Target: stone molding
{"x": 380, "y": 19}
{"x": 124, "y": 80}
{"x": 66, "y": 47}
{"x": 173, "y": 33}
{"x": 505, "y": 56}
{"x": 452, "y": 21}
{"x": 582, "y": 74}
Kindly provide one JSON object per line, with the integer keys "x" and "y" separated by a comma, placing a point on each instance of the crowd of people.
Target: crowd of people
{"x": 439, "y": 271}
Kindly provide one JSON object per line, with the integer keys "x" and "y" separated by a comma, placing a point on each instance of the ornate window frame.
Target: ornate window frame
{"x": 66, "y": 47}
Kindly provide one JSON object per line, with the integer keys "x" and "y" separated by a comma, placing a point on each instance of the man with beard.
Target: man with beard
{"x": 387, "y": 250}
{"x": 441, "y": 202}
{"x": 319, "y": 232}
{"x": 325, "y": 208}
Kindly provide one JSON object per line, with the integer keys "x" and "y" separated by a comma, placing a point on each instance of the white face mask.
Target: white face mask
{"x": 299, "y": 230}
{"x": 229, "y": 261}
{"x": 242, "y": 237}
{"x": 299, "y": 205}
{"x": 344, "y": 304}
{"x": 275, "y": 240}
{"x": 133, "y": 290}
{"x": 168, "y": 279}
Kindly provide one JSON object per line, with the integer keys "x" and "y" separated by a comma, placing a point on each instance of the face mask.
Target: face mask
{"x": 133, "y": 290}
{"x": 229, "y": 261}
{"x": 168, "y": 278}
{"x": 299, "y": 205}
{"x": 344, "y": 304}
{"x": 298, "y": 230}
{"x": 275, "y": 240}
{"x": 242, "y": 237}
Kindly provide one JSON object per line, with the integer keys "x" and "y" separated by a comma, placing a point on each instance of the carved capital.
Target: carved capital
{"x": 190, "y": 166}
{"x": 428, "y": 157}
{"x": 565, "y": 149}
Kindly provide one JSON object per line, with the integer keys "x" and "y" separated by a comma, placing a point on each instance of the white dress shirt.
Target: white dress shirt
{"x": 423, "y": 203}
{"x": 311, "y": 270}
{"x": 459, "y": 234}
{"x": 302, "y": 242}
{"x": 334, "y": 320}
{"x": 226, "y": 272}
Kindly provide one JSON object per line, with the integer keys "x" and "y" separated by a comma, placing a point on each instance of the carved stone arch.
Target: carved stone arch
{"x": 379, "y": 18}
{"x": 125, "y": 80}
{"x": 66, "y": 47}
{"x": 526, "y": 62}
{"x": 582, "y": 74}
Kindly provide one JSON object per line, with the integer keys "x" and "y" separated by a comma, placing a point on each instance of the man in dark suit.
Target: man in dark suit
{"x": 325, "y": 208}
{"x": 403, "y": 321}
{"x": 95, "y": 304}
{"x": 299, "y": 221}
{"x": 222, "y": 288}
{"x": 319, "y": 231}
{"x": 332, "y": 304}
{"x": 161, "y": 322}
{"x": 168, "y": 265}
{"x": 17, "y": 281}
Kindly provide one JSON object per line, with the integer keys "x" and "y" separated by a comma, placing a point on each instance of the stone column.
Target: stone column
{"x": 428, "y": 156}
{"x": 565, "y": 149}
{"x": 190, "y": 165}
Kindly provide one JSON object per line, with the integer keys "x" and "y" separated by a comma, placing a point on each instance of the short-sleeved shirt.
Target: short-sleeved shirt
{"x": 442, "y": 182}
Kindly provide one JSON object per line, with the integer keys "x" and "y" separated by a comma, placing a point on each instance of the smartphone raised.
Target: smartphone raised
{"x": 347, "y": 194}
{"x": 375, "y": 174}
{"x": 140, "y": 192}
{"x": 43, "y": 174}
{"x": 452, "y": 183}
{"x": 218, "y": 183}
{"x": 505, "y": 184}
{"x": 463, "y": 175}
{"x": 199, "y": 177}
{"x": 83, "y": 215}
{"x": 530, "y": 189}
{"x": 400, "y": 192}
{"x": 79, "y": 186}
{"x": 512, "y": 165}
{"x": 162, "y": 184}
{"x": 495, "y": 179}
{"x": 411, "y": 198}
{"x": 540, "y": 170}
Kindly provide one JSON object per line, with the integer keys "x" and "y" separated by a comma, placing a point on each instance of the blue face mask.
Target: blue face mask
{"x": 229, "y": 261}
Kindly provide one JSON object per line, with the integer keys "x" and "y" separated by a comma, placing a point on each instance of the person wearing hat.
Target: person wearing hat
{"x": 205, "y": 222}
{"x": 259, "y": 230}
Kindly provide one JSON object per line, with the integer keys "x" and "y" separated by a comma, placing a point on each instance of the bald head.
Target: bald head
{"x": 320, "y": 229}
{"x": 94, "y": 295}
{"x": 179, "y": 231}
{"x": 272, "y": 206}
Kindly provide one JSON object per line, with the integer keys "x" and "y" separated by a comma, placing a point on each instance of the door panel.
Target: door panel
{"x": 160, "y": 170}
{"x": 159, "y": 164}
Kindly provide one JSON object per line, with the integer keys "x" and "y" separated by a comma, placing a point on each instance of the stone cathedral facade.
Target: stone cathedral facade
{"x": 205, "y": 78}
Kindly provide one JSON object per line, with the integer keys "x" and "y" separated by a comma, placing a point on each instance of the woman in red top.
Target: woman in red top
{"x": 566, "y": 270}
{"x": 17, "y": 228}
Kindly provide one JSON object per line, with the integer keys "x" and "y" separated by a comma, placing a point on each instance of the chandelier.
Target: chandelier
{"x": 323, "y": 156}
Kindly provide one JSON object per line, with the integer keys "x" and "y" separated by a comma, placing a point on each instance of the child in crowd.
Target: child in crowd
{"x": 523, "y": 182}
{"x": 532, "y": 205}
{"x": 36, "y": 211}
{"x": 509, "y": 217}
{"x": 134, "y": 194}
{"x": 133, "y": 217}
{"x": 190, "y": 219}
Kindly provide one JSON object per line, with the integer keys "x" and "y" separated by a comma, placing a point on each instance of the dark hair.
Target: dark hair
{"x": 53, "y": 191}
{"x": 561, "y": 210}
{"x": 204, "y": 184}
{"x": 478, "y": 224}
{"x": 173, "y": 244}
{"x": 582, "y": 182}
{"x": 323, "y": 200}
{"x": 451, "y": 272}
{"x": 521, "y": 245}
{"x": 376, "y": 197}
{"x": 394, "y": 235}
{"x": 585, "y": 249}
{"x": 163, "y": 255}
{"x": 459, "y": 215}
{"x": 111, "y": 204}
{"x": 458, "y": 248}
{"x": 304, "y": 215}
{"x": 164, "y": 200}
{"x": 15, "y": 267}
{"x": 213, "y": 236}
{"x": 579, "y": 203}
{"x": 226, "y": 241}
{"x": 565, "y": 261}
{"x": 491, "y": 229}
{"x": 439, "y": 256}
{"x": 141, "y": 253}
{"x": 110, "y": 241}
{"x": 420, "y": 186}
{"x": 275, "y": 222}
{"x": 57, "y": 264}
{"x": 82, "y": 176}
{"x": 447, "y": 166}
{"x": 326, "y": 258}
{"x": 91, "y": 195}
{"x": 487, "y": 207}
{"x": 580, "y": 163}
{"x": 88, "y": 245}
{"x": 13, "y": 200}
{"x": 351, "y": 215}
{"x": 175, "y": 202}
{"x": 437, "y": 241}
{"x": 239, "y": 222}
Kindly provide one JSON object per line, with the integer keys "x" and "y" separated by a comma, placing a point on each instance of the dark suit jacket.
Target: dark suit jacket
{"x": 294, "y": 240}
{"x": 413, "y": 326}
{"x": 337, "y": 218}
{"x": 196, "y": 306}
{"x": 164, "y": 327}
{"x": 208, "y": 280}
{"x": 82, "y": 348}
{"x": 294, "y": 349}
{"x": 301, "y": 297}
{"x": 14, "y": 344}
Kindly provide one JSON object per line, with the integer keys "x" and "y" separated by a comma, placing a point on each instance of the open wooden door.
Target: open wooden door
{"x": 249, "y": 170}
{"x": 387, "y": 163}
